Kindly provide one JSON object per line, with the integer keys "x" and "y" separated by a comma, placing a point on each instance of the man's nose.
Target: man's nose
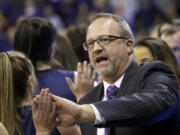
{"x": 97, "y": 47}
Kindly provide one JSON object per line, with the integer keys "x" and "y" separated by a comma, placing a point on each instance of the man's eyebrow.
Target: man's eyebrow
{"x": 97, "y": 37}
{"x": 89, "y": 39}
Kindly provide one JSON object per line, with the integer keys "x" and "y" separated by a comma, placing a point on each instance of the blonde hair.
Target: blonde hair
{"x": 8, "y": 108}
{"x": 15, "y": 71}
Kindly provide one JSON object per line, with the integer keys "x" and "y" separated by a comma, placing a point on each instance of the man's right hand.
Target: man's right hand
{"x": 69, "y": 113}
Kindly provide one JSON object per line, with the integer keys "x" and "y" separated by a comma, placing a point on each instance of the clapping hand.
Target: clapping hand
{"x": 50, "y": 111}
{"x": 69, "y": 113}
{"x": 44, "y": 113}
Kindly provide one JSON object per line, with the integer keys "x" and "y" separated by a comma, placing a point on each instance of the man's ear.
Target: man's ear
{"x": 129, "y": 44}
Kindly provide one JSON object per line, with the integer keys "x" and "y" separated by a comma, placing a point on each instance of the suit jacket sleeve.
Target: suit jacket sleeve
{"x": 155, "y": 99}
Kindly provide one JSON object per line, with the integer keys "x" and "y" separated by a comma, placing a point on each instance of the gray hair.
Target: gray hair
{"x": 124, "y": 27}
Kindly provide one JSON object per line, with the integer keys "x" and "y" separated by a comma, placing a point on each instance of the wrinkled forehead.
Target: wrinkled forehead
{"x": 102, "y": 26}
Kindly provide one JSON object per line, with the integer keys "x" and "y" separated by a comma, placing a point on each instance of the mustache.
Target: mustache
{"x": 97, "y": 57}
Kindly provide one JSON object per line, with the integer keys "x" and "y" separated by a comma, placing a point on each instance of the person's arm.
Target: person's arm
{"x": 3, "y": 130}
{"x": 44, "y": 113}
{"x": 69, "y": 113}
{"x": 155, "y": 101}
{"x": 83, "y": 80}
{"x": 72, "y": 130}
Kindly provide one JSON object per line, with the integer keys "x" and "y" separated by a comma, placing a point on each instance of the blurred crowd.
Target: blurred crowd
{"x": 44, "y": 42}
{"x": 142, "y": 15}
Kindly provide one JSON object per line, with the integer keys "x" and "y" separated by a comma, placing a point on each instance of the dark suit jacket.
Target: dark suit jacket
{"x": 147, "y": 103}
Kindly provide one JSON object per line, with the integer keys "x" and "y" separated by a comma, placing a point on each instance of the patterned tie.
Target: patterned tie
{"x": 111, "y": 94}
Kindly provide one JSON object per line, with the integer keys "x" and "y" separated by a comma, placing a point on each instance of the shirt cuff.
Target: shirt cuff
{"x": 99, "y": 118}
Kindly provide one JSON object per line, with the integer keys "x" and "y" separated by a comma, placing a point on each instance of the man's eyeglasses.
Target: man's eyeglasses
{"x": 102, "y": 40}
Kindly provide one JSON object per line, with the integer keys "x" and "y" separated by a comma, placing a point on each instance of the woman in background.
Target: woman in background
{"x": 15, "y": 93}
{"x": 151, "y": 49}
{"x": 64, "y": 53}
{"x": 35, "y": 37}
{"x": 77, "y": 36}
{"x": 17, "y": 84}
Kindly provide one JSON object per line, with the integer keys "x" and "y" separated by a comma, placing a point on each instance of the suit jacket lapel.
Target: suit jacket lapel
{"x": 94, "y": 96}
{"x": 100, "y": 92}
{"x": 133, "y": 68}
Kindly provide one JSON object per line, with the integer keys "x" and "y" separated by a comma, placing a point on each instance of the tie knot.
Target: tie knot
{"x": 111, "y": 92}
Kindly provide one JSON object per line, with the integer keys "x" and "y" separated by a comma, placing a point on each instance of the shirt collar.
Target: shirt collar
{"x": 117, "y": 84}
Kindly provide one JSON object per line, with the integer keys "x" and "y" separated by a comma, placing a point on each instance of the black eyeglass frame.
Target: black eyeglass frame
{"x": 99, "y": 39}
